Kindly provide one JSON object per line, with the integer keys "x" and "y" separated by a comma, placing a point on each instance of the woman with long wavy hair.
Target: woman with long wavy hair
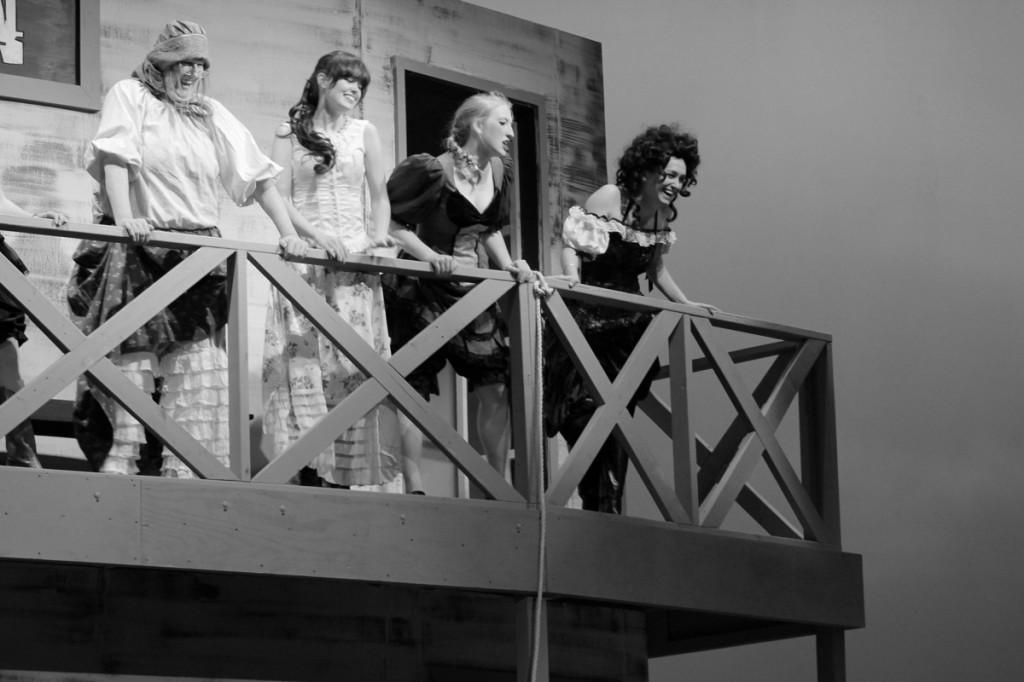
{"x": 332, "y": 159}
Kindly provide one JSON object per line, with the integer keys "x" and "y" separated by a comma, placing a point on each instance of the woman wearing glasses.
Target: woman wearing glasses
{"x": 622, "y": 232}
{"x": 162, "y": 153}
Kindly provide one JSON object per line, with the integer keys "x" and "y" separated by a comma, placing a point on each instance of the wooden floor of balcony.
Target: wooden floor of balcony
{"x": 140, "y": 575}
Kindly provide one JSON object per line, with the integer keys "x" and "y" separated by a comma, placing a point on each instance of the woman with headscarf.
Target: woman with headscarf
{"x": 162, "y": 151}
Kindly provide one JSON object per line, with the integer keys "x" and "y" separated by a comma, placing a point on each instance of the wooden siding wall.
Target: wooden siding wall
{"x": 261, "y": 53}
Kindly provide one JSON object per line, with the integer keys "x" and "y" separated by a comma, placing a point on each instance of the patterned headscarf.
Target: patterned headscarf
{"x": 179, "y": 41}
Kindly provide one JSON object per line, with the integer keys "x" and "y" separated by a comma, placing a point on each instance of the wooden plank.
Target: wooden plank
{"x": 682, "y": 567}
{"x": 618, "y": 299}
{"x": 346, "y": 535}
{"x": 684, "y": 438}
{"x": 751, "y": 354}
{"x": 69, "y": 516}
{"x": 401, "y": 393}
{"x": 238, "y": 367}
{"x": 526, "y": 396}
{"x": 733, "y": 384}
{"x": 646, "y": 464}
{"x": 65, "y": 336}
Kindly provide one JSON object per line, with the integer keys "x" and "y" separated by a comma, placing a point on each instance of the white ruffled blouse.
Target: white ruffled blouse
{"x": 175, "y": 162}
{"x": 590, "y": 234}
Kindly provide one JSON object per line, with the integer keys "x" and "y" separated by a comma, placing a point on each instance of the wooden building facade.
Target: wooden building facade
{"x": 242, "y": 576}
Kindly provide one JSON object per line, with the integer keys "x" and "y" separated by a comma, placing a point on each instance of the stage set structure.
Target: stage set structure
{"x": 726, "y": 541}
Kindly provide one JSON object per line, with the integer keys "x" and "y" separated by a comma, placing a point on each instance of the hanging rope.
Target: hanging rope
{"x": 538, "y": 607}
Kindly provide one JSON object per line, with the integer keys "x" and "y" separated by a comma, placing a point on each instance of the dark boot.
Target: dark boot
{"x": 21, "y": 441}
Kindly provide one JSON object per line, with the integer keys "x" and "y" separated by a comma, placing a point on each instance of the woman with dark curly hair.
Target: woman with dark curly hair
{"x": 331, "y": 157}
{"x": 621, "y": 232}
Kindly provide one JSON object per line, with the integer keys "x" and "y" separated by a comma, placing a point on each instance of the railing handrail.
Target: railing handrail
{"x": 381, "y": 264}
{"x": 802, "y": 368}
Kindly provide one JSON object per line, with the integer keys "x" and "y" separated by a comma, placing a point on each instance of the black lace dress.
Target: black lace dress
{"x": 613, "y": 255}
{"x": 424, "y": 198}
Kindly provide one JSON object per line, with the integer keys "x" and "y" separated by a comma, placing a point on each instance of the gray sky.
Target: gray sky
{"x": 862, "y": 176}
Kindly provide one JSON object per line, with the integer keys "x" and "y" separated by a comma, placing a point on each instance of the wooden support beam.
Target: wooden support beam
{"x": 238, "y": 367}
{"x": 714, "y": 467}
{"x": 389, "y": 378}
{"x": 748, "y": 498}
{"x": 525, "y": 398}
{"x": 684, "y": 438}
{"x": 66, "y": 336}
{"x": 819, "y": 452}
{"x": 831, "y": 653}
{"x": 614, "y": 399}
{"x": 742, "y": 399}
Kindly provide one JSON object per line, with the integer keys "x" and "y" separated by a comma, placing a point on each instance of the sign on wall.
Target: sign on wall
{"x": 49, "y": 52}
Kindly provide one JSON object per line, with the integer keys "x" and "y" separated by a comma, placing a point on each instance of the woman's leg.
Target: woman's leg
{"x": 21, "y": 440}
{"x": 412, "y": 453}
{"x": 492, "y": 424}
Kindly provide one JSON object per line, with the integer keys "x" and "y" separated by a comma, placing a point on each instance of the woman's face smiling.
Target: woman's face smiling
{"x": 182, "y": 80}
{"x": 666, "y": 186}
{"x": 344, "y": 95}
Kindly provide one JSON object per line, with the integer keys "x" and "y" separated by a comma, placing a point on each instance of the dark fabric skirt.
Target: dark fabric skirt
{"x": 108, "y": 276}
{"x": 12, "y": 312}
{"x": 479, "y": 352}
{"x": 612, "y": 334}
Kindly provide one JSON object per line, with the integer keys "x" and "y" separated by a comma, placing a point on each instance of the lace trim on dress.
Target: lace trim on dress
{"x": 589, "y": 233}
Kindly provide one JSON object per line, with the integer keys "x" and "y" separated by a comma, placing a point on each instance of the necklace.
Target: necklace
{"x": 468, "y": 169}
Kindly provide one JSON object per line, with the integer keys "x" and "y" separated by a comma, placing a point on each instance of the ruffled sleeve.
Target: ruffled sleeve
{"x": 242, "y": 163}
{"x": 415, "y": 188}
{"x": 588, "y": 233}
{"x": 119, "y": 134}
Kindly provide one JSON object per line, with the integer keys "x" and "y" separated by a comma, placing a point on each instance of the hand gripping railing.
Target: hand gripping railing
{"x": 707, "y": 481}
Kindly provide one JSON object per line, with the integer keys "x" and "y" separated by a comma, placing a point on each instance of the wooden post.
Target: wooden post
{"x": 831, "y": 649}
{"x": 683, "y": 437}
{"x": 531, "y": 616}
{"x": 523, "y": 400}
{"x": 818, "y": 451}
{"x": 238, "y": 367}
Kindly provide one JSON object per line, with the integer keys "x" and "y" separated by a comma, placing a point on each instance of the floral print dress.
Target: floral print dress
{"x": 305, "y": 374}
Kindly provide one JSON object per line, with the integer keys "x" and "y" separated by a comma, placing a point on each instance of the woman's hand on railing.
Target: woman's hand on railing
{"x": 59, "y": 219}
{"x": 571, "y": 280}
{"x": 138, "y": 229}
{"x": 706, "y": 306}
{"x": 523, "y": 273}
{"x": 333, "y": 245}
{"x": 442, "y": 264}
{"x": 293, "y": 245}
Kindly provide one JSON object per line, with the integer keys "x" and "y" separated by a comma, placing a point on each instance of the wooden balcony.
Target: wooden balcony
{"x": 242, "y": 575}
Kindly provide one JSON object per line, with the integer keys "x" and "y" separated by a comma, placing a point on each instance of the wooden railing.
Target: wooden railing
{"x": 707, "y": 481}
